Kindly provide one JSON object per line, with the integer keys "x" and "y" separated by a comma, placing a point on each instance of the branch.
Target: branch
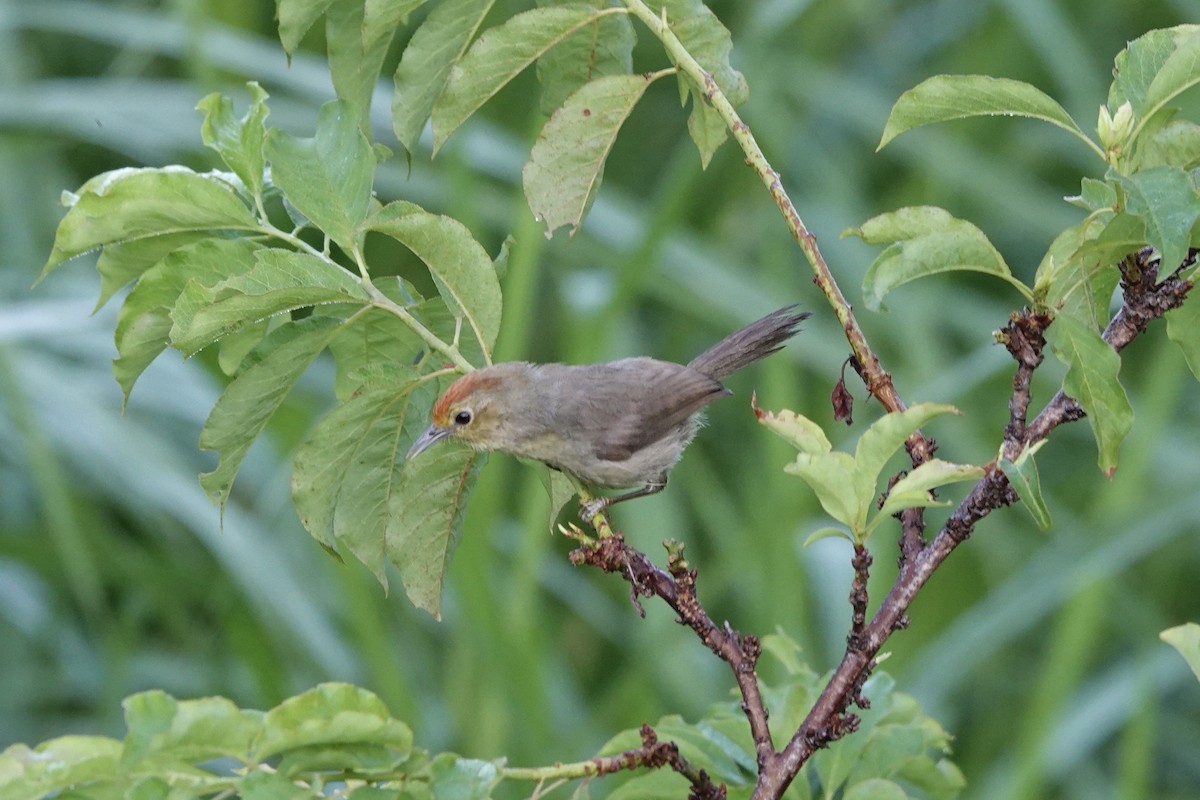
{"x": 653, "y": 754}
{"x": 1144, "y": 301}
{"x": 677, "y": 588}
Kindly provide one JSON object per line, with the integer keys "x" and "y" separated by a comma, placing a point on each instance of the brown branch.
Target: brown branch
{"x": 1144, "y": 301}
{"x": 654, "y": 754}
{"x": 677, "y": 588}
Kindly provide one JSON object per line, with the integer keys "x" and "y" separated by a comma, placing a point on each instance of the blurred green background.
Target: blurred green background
{"x": 1038, "y": 651}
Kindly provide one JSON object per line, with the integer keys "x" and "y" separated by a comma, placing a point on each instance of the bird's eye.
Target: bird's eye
{"x": 463, "y": 417}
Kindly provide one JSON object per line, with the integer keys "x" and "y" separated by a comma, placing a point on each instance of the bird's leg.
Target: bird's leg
{"x": 598, "y": 504}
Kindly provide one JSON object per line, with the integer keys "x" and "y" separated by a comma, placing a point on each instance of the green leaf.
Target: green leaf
{"x": 233, "y": 348}
{"x": 371, "y": 340}
{"x": 357, "y": 37}
{"x": 498, "y": 56}
{"x": 249, "y": 402}
{"x": 603, "y": 47}
{"x": 875, "y": 789}
{"x": 55, "y": 765}
{"x": 328, "y": 177}
{"x": 129, "y": 204}
{"x": 123, "y": 262}
{"x": 164, "y": 731}
{"x": 883, "y": 439}
{"x": 1094, "y": 195}
{"x": 144, "y": 322}
{"x": 295, "y": 18}
{"x": 1185, "y": 639}
{"x": 279, "y": 281}
{"x": 330, "y": 714}
{"x": 238, "y": 141}
{"x": 1023, "y": 475}
{"x": 1176, "y": 144}
{"x": 709, "y": 42}
{"x": 796, "y": 429}
{"x": 1179, "y": 71}
{"x": 559, "y": 489}
{"x": 425, "y": 66}
{"x": 345, "y": 469}
{"x": 464, "y": 272}
{"x": 425, "y": 518}
{"x": 831, "y": 477}
{"x": 567, "y": 160}
{"x": 828, "y": 533}
{"x": 458, "y": 778}
{"x": 1183, "y": 328}
{"x": 948, "y": 97}
{"x": 273, "y": 786}
{"x": 1092, "y": 367}
{"x": 924, "y": 241}
{"x": 707, "y": 129}
{"x": 1078, "y": 274}
{"x": 1165, "y": 198}
{"x": 913, "y": 489}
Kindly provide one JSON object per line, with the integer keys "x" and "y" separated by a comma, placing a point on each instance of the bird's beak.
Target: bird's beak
{"x": 427, "y": 440}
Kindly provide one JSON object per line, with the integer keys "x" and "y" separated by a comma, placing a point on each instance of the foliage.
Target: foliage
{"x": 353, "y": 374}
{"x": 342, "y": 739}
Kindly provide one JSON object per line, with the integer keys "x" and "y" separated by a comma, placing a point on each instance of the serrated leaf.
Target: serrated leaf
{"x": 373, "y": 339}
{"x": 1175, "y": 144}
{"x": 1024, "y": 478}
{"x": 1183, "y": 328}
{"x": 603, "y": 47}
{"x": 345, "y": 469}
{"x": 144, "y": 322}
{"x": 947, "y": 97}
{"x": 165, "y": 731}
{"x": 456, "y": 778}
{"x": 328, "y": 177}
{"x": 924, "y": 241}
{"x": 913, "y": 489}
{"x": 357, "y": 37}
{"x": 707, "y": 130}
{"x": 796, "y": 429}
{"x": 123, "y": 262}
{"x": 498, "y": 56}
{"x": 828, "y": 533}
{"x": 1094, "y": 195}
{"x": 883, "y": 439}
{"x": 233, "y": 348}
{"x": 1078, "y": 274}
{"x": 239, "y": 142}
{"x": 57, "y": 764}
{"x": 831, "y": 477}
{"x": 129, "y": 204}
{"x": 1091, "y": 379}
{"x": 559, "y": 490}
{"x": 1178, "y": 73}
{"x": 567, "y": 160}
{"x": 709, "y": 42}
{"x": 424, "y": 67}
{"x": 425, "y": 517}
{"x": 295, "y": 18}
{"x": 1165, "y": 198}
{"x": 248, "y": 403}
{"x": 279, "y": 281}
{"x": 875, "y": 789}
{"x": 1186, "y": 639}
{"x": 330, "y": 714}
{"x": 463, "y": 270}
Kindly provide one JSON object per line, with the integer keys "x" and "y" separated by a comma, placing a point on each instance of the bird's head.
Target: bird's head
{"x": 471, "y": 410}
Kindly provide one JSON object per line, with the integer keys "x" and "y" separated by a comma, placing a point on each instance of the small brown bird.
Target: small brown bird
{"x": 612, "y": 425}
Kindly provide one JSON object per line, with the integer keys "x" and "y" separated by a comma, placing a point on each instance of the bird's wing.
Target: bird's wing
{"x": 639, "y": 412}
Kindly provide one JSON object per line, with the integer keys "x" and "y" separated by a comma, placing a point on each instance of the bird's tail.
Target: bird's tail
{"x": 744, "y": 347}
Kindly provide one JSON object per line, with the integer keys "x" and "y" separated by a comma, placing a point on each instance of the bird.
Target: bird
{"x": 612, "y": 425}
